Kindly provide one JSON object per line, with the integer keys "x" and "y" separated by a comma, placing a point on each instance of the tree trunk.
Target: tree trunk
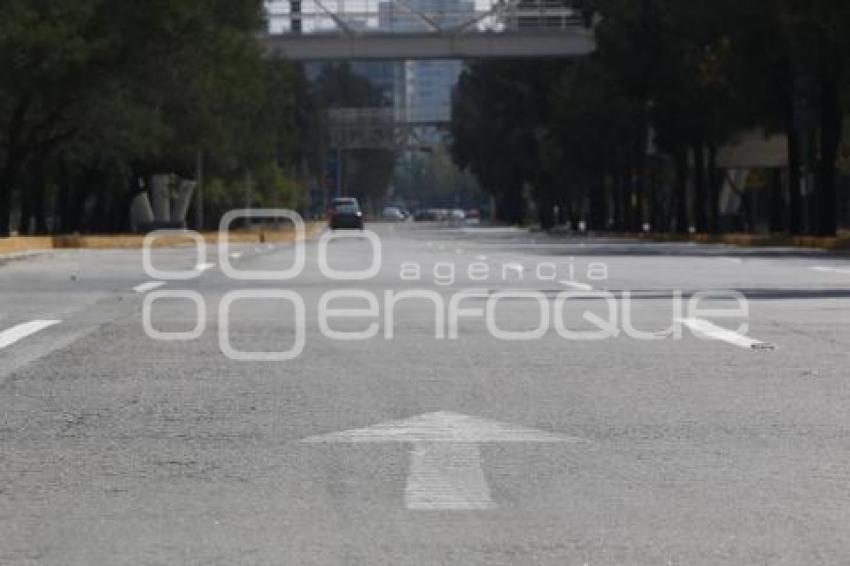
{"x": 27, "y": 211}
{"x": 597, "y": 205}
{"x": 777, "y": 203}
{"x": 713, "y": 191}
{"x": 9, "y": 177}
{"x": 39, "y": 212}
{"x": 546, "y": 213}
{"x": 795, "y": 196}
{"x": 681, "y": 163}
{"x": 699, "y": 187}
{"x": 5, "y": 205}
{"x": 628, "y": 194}
{"x": 639, "y": 185}
{"x": 832, "y": 124}
{"x": 617, "y": 198}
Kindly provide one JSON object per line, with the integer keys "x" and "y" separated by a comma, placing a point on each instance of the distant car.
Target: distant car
{"x": 345, "y": 213}
{"x": 426, "y": 215}
{"x": 473, "y": 216}
{"x": 457, "y": 215}
{"x": 393, "y": 214}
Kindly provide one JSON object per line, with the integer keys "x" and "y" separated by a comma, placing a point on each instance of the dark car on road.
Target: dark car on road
{"x": 345, "y": 213}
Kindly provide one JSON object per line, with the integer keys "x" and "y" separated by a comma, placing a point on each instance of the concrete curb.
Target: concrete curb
{"x": 840, "y": 243}
{"x": 26, "y": 244}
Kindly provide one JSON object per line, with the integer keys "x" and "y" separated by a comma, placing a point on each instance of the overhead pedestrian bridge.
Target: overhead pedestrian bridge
{"x": 316, "y": 30}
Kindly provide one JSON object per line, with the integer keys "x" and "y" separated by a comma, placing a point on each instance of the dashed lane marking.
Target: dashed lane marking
{"x": 705, "y": 329}
{"x": 149, "y": 286}
{"x": 577, "y": 285}
{"x": 831, "y": 270}
{"x": 21, "y": 331}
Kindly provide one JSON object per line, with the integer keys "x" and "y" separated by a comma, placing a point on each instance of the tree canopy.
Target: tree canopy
{"x": 630, "y": 135}
{"x": 96, "y": 95}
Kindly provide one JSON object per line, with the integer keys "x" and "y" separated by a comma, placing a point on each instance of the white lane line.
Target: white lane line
{"x": 705, "y": 329}
{"x": 577, "y": 285}
{"x": 149, "y": 286}
{"x": 235, "y": 255}
{"x": 21, "y": 331}
{"x": 201, "y": 267}
{"x": 831, "y": 270}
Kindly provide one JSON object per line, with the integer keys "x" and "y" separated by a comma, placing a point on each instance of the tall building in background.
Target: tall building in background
{"x": 425, "y": 86}
{"x": 420, "y": 92}
{"x": 428, "y": 90}
{"x": 388, "y": 78}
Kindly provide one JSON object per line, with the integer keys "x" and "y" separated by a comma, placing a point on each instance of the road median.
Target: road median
{"x": 833, "y": 244}
{"x": 26, "y": 244}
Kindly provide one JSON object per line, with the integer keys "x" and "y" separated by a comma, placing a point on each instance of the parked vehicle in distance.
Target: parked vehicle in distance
{"x": 345, "y": 213}
{"x": 426, "y": 215}
{"x": 393, "y": 214}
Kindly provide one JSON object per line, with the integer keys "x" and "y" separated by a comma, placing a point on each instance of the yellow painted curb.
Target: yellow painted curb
{"x": 756, "y": 240}
{"x": 23, "y": 244}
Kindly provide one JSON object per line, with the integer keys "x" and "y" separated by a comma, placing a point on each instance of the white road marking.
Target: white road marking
{"x": 446, "y": 477}
{"x": 21, "y": 331}
{"x": 235, "y": 255}
{"x": 577, "y": 285}
{"x": 706, "y": 329}
{"x": 831, "y": 270}
{"x": 518, "y": 267}
{"x": 149, "y": 286}
{"x": 445, "y": 464}
{"x": 481, "y": 258}
{"x": 201, "y": 267}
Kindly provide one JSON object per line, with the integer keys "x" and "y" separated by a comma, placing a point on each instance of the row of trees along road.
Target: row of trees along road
{"x": 690, "y": 75}
{"x": 98, "y": 95}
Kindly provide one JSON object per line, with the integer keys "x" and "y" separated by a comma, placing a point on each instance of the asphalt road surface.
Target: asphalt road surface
{"x": 719, "y": 446}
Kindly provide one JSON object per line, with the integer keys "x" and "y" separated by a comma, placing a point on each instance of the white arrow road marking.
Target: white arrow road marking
{"x": 445, "y": 463}
{"x": 21, "y": 331}
{"x": 831, "y": 270}
{"x": 446, "y": 476}
{"x": 704, "y": 328}
{"x": 149, "y": 286}
{"x": 577, "y": 285}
